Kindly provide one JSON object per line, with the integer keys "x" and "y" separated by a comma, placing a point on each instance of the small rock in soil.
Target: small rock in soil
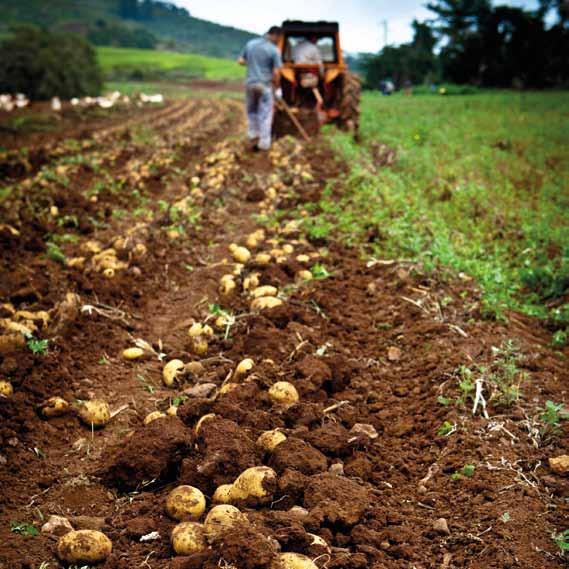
{"x": 559, "y": 464}
{"x": 56, "y": 525}
{"x": 441, "y": 526}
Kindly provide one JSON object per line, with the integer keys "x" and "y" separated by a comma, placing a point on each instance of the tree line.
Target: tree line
{"x": 473, "y": 42}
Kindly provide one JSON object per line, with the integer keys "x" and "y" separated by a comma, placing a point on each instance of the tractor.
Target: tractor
{"x": 315, "y": 94}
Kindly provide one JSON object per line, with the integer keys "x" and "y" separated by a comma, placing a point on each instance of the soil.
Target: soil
{"x": 373, "y": 351}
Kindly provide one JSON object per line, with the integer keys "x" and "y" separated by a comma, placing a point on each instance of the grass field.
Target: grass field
{"x": 479, "y": 185}
{"x": 143, "y": 64}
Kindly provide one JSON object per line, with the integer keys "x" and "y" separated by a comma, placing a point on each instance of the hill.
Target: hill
{"x": 149, "y": 65}
{"x": 129, "y": 23}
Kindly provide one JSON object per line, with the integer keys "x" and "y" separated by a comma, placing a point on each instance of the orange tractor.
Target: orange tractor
{"x": 315, "y": 93}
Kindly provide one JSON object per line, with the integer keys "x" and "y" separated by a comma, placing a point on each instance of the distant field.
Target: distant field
{"x": 149, "y": 65}
{"x": 479, "y": 185}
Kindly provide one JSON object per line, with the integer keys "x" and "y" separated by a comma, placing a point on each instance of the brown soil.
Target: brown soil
{"x": 372, "y": 351}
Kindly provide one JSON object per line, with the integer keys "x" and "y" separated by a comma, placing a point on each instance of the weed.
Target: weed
{"x": 504, "y": 375}
{"x": 188, "y": 267}
{"x": 552, "y": 416}
{"x": 466, "y": 384}
{"x": 177, "y": 401}
{"x": 68, "y": 221}
{"x": 444, "y": 401}
{"x": 119, "y": 213}
{"x": 466, "y": 471}
{"x": 446, "y": 429}
{"x": 64, "y": 238}
{"x": 319, "y": 271}
{"x": 23, "y": 528}
{"x": 562, "y": 540}
{"x": 146, "y": 385}
{"x": 37, "y": 346}
{"x": 55, "y": 253}
{"x": 103, "y": 360}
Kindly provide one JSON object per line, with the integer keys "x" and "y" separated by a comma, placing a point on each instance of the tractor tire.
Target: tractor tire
{"x": 349, "y": 118}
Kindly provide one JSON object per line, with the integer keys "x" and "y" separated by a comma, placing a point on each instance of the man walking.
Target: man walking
{"x": 263, "y": 61}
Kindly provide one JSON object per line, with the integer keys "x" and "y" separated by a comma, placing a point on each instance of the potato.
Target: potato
{"x": 84, "y": 546}
{"x": 185, "y": 503}
{"x": 202, "y": 420}
{"x": 109, "y": 273}
{"x": 200, "y": 346}
{"x": 265, "y": 302}
{"x": 293, "y": 561}
{"x": 195, "y": 367}
{"x": 251, "y": 282}
{"x": 132, "y": 353}
{"x": 171, "y": 371}
{"x": 281, "y": 260}
{"x": 263, "y": 259}
{"x": 220, "y": 519}
{"x": 153, "y": 416}
{"x": 172, "y": 411}
{"x": 244, "y": 367}
{"x": 303, "y": 258}
{"x": 266, "y": 290}
{"x": 196, "y": 329}
{"x": 288, "y": 249}
{"x": 238, "y": 269}
{"x": 54, "y": 407}
{"x": 96, "y": 413}
{"x": 241, "y": 254}
{"x": 221, "y": 322}
{"x": 256, "y": 484}
{"x": 252, "y": 241}
{"x": 283, "y": 393}
{"x": 304, "y": 275}
{"x": 207, "y": 331}
{"x": 227, "y": 286}
{"x": 269, "y": 440}
{"x": 222, "y": 495}
{"x": 6, "y": 388}
{"x": 188, "y": 538}
{"x": 276, "y": 252}
{"x": 228, "y": 388}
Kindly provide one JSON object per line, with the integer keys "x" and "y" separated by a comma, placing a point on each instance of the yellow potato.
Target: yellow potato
{"x": 251, "y": 282}
{"x": 227, "y": 388}
{"x": 95, "y": 412}
{"x": 220, "y": 519}
{"x": 196, "y": 329}
{"x": 195, "y": 367}
{"x": 199, "y": 346}
{"x": 132, "y": 353}
{"x": 257, "y": 483}
{"x": 207, "y": 331}
{"x": 227, "y": 287}
{"x": 171, "y": 371}
{"x": 293, "y": 561}
{"x": 288, "y": 249}
{"x": 265, "y": 302}
{"x": 303, "y": 258}
{"x": 263, "y": 259}
{"x": 222, "y": 495}
{"x": 283, "y": 393}
{"x": 185, "y": 503}
{"x": 281, "y": 260}
{"x": 241, "y": 254}
{"x": 84, "y": 546}
{"x": 202, "y": 420}
{"x": 269, "y": 440}
{"x": 232, "y": 247}
{"x": 276, "y": 252}
{"x": 252, "y": 241}
{"x": 244, "y": 367}
{"x": 304, "y": 275}
{"x": 109, "y": 273}
{"x": 153, "y": 416}
{"x": 54, "y": 407}
{"x": 221, "y": 322}
{"x": 6, "y": 388}
{"x": 188, "y": 538}
{"x": 266, "y": 290}
{"x": 172, "y": 411}
{"x": 238, "y": 269}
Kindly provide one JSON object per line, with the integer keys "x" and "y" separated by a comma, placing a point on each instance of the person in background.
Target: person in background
{"x": 306, "y": 51}
{"x": 263, "y": 61}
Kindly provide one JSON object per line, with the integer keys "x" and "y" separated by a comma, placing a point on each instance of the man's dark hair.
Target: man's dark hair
{"x": 275, "y": 31}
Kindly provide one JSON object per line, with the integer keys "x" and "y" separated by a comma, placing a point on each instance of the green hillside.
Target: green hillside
{"x": 142, "y": 23}
{"x": 144, "y": 64}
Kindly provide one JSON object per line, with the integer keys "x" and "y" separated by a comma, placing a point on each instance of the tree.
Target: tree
{"x": 44, "y": 65}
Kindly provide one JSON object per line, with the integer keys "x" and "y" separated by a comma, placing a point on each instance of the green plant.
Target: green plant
{"x": 504, "y": 374}
{"x": 466, "y": 471}
{"x": 55, "y": 253}
{"x": 37, "y": 346}
{"x": 23, "y": 528}
{"x": 445, "y": 401}
{"x": 466, "y": 384}
{"x": 552, "y": 416}
{"x": 446, "y": 429}
{"x": 146, "y": 385}
{"x": 562, "y": 540}
{"x": 319, "y": 271}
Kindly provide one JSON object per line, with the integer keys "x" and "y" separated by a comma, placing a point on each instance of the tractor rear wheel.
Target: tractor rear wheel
{"x": 349, "y": 118}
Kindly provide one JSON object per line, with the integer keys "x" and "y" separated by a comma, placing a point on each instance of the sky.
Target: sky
{"x": 362, "y": 26}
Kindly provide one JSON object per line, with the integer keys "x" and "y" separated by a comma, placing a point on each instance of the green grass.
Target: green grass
{"x": 169, "y": 90}
{"x": 479, "y": 186}
{"x": 143, "y": 64}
